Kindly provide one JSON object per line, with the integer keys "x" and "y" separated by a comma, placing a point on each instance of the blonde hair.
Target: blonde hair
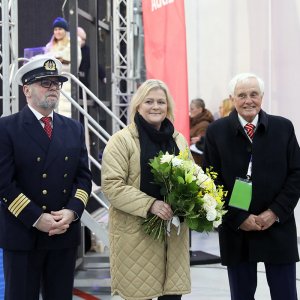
{"x": 64, "y": 42}
{"x": 227, "y": 107}
{"x": 143, "y": 91}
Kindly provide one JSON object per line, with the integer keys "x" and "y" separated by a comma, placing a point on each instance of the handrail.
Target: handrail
{"x": 85, "y": 114}
{"x": 97, "y": 134}
{"x": 94, "y": 97}
{"x": 99, "y": 200}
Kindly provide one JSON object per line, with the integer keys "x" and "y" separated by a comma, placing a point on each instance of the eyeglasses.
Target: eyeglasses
{"x": 47, "y": 83}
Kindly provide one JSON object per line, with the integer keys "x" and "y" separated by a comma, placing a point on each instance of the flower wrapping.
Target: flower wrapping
{"x": 189, "y": 191}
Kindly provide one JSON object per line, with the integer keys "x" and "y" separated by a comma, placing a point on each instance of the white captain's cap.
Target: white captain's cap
{"x": 38, "y": 68}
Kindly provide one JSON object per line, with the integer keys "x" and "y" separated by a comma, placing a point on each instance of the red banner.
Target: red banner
{"x": 165, "y": 53}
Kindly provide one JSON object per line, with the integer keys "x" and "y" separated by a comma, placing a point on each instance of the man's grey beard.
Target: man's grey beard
{"x": 45, "y": 103}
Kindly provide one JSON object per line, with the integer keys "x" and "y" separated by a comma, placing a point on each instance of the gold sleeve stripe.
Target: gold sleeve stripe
{"x": 18, "y": 204}
{"x": 82, "y": 195}
{"x": 84, "y": 200}
{"x": 16, "y": 201}
{"x": 22, "y": 207}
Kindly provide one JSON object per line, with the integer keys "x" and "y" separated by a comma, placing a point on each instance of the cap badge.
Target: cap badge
{"x": 50, "y": 65}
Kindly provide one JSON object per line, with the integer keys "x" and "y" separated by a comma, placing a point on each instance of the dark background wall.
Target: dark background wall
{"x": 35, "y": 28}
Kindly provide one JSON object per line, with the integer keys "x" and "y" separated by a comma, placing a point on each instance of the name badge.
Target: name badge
{"x": 242, "y": 194}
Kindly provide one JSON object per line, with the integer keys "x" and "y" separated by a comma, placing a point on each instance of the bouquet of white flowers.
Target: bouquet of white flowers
{"x": 189, "y": 191}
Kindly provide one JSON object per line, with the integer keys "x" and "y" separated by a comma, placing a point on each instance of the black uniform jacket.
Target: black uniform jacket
{"x": 40, "y": 175}
{"x": 275, "y": 185}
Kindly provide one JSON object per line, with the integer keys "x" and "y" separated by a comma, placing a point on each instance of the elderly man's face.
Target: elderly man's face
{"x": 247, "y": 99}
{"x": 43, "y": 98}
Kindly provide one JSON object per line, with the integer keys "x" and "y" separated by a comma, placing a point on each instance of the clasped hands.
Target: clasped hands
{"x": 55, "y": 223}
{"x": 260, "y": 222}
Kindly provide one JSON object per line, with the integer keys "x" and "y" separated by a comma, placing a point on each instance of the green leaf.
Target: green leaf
{"x": 189, "y": 177}
{"x": 179, "y": 172}
{"x": 191, "y": 206}
{"x": 163, "y": 191}
{"x": 192, "y": 223}
{"x": 181, "y": 188}
{"x": 204, "y": 224}
{"x": 194, "y": 187}
{"x": 171, "y": 198}
{"x": 164, "y": 165}
{"x": 180, "y": 180}
{"x": 194, "y": 216}
{"x": 154, "y": 164}
{"x": 168, "y": 169}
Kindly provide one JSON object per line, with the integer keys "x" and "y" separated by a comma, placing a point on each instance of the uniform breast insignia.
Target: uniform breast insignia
{"x": 50, "y": 65}
{"x": 82, "y": 195}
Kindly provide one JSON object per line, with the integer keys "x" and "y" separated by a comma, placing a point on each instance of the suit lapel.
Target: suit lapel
{"x": 35, "y": 129}
{"x": 59, "y": 134}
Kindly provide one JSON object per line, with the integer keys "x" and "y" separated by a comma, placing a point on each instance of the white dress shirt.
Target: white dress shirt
{"x": 39, "y": 116}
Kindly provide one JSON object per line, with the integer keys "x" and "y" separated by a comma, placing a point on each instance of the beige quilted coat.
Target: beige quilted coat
{"x": 140, "y": 267}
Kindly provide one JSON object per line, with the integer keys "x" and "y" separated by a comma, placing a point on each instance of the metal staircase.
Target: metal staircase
{"x": 92, "y": 267}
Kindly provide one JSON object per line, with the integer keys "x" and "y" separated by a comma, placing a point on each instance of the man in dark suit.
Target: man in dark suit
{"x": 267, "y": 231}
{"x": 45, "y": 184}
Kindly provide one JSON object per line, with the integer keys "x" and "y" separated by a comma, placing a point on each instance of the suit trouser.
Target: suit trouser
{"x": 28, "y": 272}
{"x": 281, "y": 280}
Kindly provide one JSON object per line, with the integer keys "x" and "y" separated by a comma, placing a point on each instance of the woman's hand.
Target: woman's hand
{"x": 195, "y": 139}
{"x": 161, "y": 209}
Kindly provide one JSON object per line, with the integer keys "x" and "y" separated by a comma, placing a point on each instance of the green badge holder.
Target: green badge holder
{"x": 242, "y": 194}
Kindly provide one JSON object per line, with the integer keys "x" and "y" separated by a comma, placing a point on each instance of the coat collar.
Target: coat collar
{"x": 134, "y": 131}
{"x": 236, "y": 126}
{"x": 38, "y": 134}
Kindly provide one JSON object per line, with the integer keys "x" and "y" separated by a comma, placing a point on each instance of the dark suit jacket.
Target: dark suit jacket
{"x": 40, "y": 175}
{"x": 275, "y": 185}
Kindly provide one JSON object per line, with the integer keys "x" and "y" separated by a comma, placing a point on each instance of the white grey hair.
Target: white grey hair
{"x": 245, "y": 77}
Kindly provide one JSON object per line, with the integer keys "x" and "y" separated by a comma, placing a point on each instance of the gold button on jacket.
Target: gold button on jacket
{"x": 44, "y": 207}
{"x": 66, "y": 158}
{"x": 65, "y": 175}
{"x": 38, "y": 159}
{"x": 44, "y": 175}
{"x": 44, "y": 192}
{"x": 64, "y": 191}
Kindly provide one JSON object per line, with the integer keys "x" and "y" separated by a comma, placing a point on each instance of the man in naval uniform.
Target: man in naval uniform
{"x": 45, "y": 184}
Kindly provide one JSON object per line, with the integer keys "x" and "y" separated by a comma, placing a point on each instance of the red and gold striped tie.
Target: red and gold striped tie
{"x": 250, "y": 130}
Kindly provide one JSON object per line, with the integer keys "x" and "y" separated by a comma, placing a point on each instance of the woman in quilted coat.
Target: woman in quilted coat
{"x": 141, "y": 268}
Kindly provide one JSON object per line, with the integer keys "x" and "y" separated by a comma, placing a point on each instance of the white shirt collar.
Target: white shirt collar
{"x": 38, "y": 114}
{"x": 244, "y": 122}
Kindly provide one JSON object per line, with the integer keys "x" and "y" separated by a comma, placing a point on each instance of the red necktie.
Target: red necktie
{"x": 47, "y": 126}
{"x": 250, "y": 130}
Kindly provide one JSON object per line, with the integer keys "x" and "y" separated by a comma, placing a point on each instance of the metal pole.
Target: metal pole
{"x": 5, "y": 59}
{"x": 94, "y": 110}
{"x": 15, "y": 55}
{"x": 270, "y": 57}
{"x": 73, "y": 25}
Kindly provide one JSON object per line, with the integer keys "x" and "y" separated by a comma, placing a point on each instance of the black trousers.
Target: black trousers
{"x": 281, "y": 280}
{"x": 28, "y": 272}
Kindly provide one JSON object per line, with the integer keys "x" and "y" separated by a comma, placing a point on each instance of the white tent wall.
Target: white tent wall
{"x": 228, "y": 37}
